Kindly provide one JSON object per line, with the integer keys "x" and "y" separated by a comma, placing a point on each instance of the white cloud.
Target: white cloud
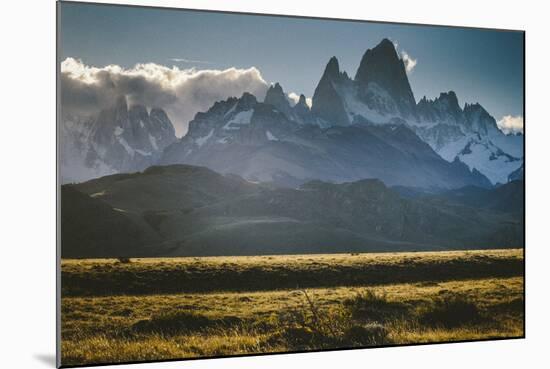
{"x": 181, "y": 92}
{"x": 410, "y": 63}
{"x": 294, "y": 98}
{"x": 408, "y": 60}
{"x": 510, "y": 124}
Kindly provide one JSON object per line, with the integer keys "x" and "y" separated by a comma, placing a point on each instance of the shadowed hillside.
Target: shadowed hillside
{"x": 183, "y": 210}
{"x": 92, "y": 228}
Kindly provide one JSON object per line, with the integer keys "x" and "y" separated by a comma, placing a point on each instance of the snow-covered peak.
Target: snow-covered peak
{"x": 119, "y": 138}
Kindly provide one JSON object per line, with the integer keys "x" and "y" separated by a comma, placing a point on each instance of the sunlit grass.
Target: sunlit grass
{"x": 120, "y": 327}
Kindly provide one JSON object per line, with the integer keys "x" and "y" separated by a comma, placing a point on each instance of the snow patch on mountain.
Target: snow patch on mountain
{"x": 241, "y": 118}
{"x": 355, "y": 108}
{"x": 153, "y": 142}
{"x": 489, "y": 160}
{"x": 270, "y": 136}
{"x": 450, "y": 150}
{"x": 202, "y": 140}
{"x": 124, "y": 144}
{"x": 230, "y": 110}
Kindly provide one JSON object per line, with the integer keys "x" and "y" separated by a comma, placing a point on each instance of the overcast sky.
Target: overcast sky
{"x": 484, "y": 66}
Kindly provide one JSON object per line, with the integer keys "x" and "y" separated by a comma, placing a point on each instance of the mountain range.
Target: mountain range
{"x": 368, "y": 126}
{"x": 380, "y": 93}
{"x": 273, "y": 144}
{"x": 365, "y": 168}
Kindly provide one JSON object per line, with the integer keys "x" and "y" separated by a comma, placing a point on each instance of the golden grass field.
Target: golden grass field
{"x": 156, "y": 309}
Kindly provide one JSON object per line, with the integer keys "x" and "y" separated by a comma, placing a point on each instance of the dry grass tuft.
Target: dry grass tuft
{"x": 451, "y": 312}
{"x": 178, "y": 322}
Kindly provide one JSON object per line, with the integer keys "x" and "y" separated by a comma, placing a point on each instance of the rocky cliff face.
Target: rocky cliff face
{"x": 327, "y": 102}
{"x": 382, "y": 69}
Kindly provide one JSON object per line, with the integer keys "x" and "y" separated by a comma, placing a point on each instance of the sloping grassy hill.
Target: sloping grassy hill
{"x": 91, "y": 227}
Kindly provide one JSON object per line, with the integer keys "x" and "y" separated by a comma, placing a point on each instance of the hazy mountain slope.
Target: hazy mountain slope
{"x": 177, "y": 187}
{"x": 116, "y": 139}
{"x": 505, "y": 198}
{"x": 196, "y": 211}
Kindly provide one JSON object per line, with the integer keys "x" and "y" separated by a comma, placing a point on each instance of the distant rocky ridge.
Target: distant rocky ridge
{"x": 117, "y": 139}
{"x": 469, "y": 134}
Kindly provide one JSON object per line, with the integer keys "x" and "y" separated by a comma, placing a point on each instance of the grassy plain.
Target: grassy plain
{"x": 155, "y": 309}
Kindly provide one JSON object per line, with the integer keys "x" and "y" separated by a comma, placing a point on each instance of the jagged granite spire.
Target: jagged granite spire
{"x": 382, "y": 65}
{"x": 478, "y": 119}
{"x": 246, "y": 101}
{"x": 302, "y": 100}
{"x": 303, "y": 112}
{"x": 332, "y": 70}
{"x": 327, "y": 104}
{"x": 275, "y": 96}
{"x": 450, "y": 100}
{"x": 443, "y": 109}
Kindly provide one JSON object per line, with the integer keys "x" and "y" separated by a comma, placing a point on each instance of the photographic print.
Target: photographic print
{"x": 241, "y": 184}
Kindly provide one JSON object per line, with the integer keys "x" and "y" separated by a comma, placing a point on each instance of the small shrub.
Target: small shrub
{"x": 122, "y": 312}
{"x": 299, "y": 336}
{"x": 515, "y": 306}
{"x": 311, "y": 327}
{"x": 369, "y": 335}
{"x": 370, "y": 306}
{"x": 177, "y": 322}
{"x": 124, "y": 260}
{"x": 450, "y": 312}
